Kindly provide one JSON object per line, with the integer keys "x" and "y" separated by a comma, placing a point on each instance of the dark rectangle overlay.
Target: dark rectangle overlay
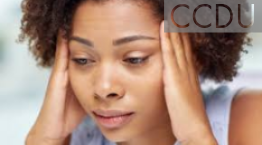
{"x": 213, "y": 15}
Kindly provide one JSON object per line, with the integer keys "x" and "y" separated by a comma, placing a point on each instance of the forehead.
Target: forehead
{"x": 114, "y": 18}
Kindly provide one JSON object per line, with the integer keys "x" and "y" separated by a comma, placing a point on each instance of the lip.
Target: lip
{"x": 113, "y": 118}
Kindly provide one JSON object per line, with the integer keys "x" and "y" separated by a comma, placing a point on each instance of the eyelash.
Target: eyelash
{"x": 141, "y": 60}
{"x": 78, "y": 61}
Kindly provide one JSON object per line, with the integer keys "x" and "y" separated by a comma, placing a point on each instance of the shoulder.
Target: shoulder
{"x": 246, "y": 118}
{"x": 235, "y": 115}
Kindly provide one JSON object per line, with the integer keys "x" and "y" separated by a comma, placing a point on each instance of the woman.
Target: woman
{"x": 139, "y": 85}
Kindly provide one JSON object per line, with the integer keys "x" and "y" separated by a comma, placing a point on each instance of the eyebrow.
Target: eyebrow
{"x": 129, "y": 39}
{"x": 120, "y": 41}
{"x": 81, "y": 40}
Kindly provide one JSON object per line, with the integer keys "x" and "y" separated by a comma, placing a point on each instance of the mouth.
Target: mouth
{"x": 113, "y": 119}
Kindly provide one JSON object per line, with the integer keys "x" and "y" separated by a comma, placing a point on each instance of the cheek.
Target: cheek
{"x": 153, "y": 78}
{"x": 154, "y": 88}
{"x": 149, "y": 98}
{"x": 149, "y": 86}
{"x": 82, "y": 87}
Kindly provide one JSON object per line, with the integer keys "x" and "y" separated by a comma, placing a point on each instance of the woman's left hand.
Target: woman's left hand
{"x": 183, "y": 96}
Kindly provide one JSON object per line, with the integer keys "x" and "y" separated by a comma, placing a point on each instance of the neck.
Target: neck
{"x": 161, "y": 134}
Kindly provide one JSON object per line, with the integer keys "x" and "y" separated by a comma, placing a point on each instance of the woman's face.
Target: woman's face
{"x": 116, "y": 64}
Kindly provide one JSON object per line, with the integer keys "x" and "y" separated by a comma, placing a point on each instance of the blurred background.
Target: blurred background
{"x": 23, "y": 84}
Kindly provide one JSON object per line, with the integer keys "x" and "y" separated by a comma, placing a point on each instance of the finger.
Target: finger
{"x": 58, "y": 77}
{"x": 61, "y": 56}
{"x": 168, "y": 55}
{"x": 58, "y": 81}
{"x": 188, "y": 51}
{"x": 193, "y": 74}
{"x": 56, "y": 94}
{"x": 177, "y": 45}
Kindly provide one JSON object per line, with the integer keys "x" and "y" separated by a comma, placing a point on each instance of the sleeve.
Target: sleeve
{"x": 218, "y": 108}
{"x": 87, "y": 133}
{"x": 177, "y": 143}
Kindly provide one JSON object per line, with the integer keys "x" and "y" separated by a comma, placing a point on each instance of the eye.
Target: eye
{"x": 136, "y": 60}
{"x": 82, "y": 61}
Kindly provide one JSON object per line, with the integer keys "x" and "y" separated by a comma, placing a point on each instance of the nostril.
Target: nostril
{"x": 112, "y": 95}
{"x": 107, "y": 95}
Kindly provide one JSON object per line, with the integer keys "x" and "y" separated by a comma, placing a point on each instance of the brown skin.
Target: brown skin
{"x": 134, "y": 84}
{"x": 61, "y": 111}
{"x": 246, "y": 120}
{"x": 173, "y": 84}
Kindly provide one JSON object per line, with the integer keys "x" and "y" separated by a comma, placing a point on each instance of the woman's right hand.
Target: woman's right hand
{"x": 61, "y": 112}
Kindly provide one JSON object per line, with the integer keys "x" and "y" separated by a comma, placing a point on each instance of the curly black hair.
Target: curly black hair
{"x": 217, "y": 53}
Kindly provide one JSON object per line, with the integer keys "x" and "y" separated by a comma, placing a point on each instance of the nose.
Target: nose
{"x": 107, "y": 84}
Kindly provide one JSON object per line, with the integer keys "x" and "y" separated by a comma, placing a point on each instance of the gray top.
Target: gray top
{"x": 218, "y": 105}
